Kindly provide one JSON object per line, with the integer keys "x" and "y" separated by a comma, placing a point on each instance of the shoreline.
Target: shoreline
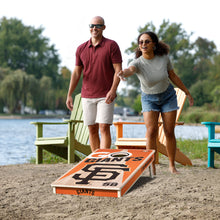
{"x": 31, "y": 116}
{"x": 130, "y": 118}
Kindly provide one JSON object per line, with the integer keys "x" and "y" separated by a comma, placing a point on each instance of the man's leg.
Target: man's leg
{"x": 105, "y": 136}
{"x": 105, "y": 118}
{"x": 89, "y": 116}
{"x": 94, "y": 140}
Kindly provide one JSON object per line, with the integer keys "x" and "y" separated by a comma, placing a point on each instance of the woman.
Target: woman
{"x": 154, "y": 70}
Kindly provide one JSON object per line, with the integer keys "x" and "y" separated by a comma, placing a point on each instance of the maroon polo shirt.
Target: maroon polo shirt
{"x": 97, "y": 62}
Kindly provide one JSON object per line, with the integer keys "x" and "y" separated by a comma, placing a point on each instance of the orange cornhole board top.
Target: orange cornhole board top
{"x": 106, "y": 172}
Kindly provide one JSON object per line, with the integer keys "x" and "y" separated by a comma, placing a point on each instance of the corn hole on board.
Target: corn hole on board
{"x": 105, "y": 172}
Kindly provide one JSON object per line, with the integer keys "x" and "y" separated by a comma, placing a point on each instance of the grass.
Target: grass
{"x": 49, "y": 158}
{"x": 194, "y": 149}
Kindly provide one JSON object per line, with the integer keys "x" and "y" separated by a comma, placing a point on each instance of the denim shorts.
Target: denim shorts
{"x": 162, "y": 102}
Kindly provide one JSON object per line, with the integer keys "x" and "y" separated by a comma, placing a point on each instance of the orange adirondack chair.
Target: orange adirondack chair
{"x": 140, "y": 143}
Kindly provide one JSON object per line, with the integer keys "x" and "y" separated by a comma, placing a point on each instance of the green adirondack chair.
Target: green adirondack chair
{"x": 74, "y": 146}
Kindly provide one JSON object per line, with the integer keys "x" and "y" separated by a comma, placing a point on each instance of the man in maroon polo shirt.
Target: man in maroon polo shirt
{"x": 100, "y": 60}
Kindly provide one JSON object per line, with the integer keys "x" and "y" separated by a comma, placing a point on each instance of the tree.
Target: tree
{"x": 137, "y": 104}
{"x": 214, "y": 69}
{"x": 204, "y": 49}
{"x": 46, "y": 95}
{"x": 24, "y": 47}
{"x": 196, "y": 63}
{"x": 216, "y": 97}
{"x": 201, "y": 92}
{"x": 14, "y": 90}
{"x": 204, "y": 52}
{"x": 179, "y": 42}
{"x": 63, "y": 85}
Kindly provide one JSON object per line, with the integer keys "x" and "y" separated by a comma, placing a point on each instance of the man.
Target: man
{"x": 100, "y": 60}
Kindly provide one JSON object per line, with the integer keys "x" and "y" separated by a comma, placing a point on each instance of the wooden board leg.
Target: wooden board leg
{"x": 157, "y": 157}
{"x": 151, "y": 171}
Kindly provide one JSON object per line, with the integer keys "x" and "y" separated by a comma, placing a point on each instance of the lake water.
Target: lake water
{"x": 17, "y": 137}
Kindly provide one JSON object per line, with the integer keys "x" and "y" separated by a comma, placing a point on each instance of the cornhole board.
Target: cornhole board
{"x": 105, "y": 172}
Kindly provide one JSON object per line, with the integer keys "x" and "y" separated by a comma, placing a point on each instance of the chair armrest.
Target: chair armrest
{"x": 75, "y": 121}
{"x": 180, "y": 123}
{"x": 211, "y": 128}
{"x": 127, "y": 122}
{"x": 119, "y": 126}
{"x": 210, "y": 123}
{"x": 39, "y": 126}
{"x": 47, "y": 123}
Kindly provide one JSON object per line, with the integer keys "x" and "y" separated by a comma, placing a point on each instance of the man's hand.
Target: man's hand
{"x": 121, "y": 75}
{"x": 110, "y": 97}
{"x": 69, "y": 103}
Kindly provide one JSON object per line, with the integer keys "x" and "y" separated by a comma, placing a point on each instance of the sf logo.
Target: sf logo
{"x": 100, "y": 172}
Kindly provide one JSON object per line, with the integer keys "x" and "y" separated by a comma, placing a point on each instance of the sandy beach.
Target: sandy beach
{"x": 26, "y": 193}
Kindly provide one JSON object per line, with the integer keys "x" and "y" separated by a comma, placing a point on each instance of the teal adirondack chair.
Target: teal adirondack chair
{"x": 72, "y": 147}
{"x": 213, "y": 143}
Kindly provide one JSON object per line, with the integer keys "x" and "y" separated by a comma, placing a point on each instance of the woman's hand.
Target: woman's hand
{"x": 121, "y": 75}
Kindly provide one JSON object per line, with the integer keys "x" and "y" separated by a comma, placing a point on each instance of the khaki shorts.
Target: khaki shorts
{"x": 95, "y": 110}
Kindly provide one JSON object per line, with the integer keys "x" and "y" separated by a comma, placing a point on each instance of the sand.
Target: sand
{"x": 25, "y": 193}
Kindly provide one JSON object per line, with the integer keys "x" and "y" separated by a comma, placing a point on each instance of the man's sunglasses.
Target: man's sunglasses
{"x": 96, "y": 25}
{"x": 145, "y": 41}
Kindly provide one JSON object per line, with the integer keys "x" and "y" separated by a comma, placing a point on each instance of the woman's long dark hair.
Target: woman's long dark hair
{"x": 160, "y": 47}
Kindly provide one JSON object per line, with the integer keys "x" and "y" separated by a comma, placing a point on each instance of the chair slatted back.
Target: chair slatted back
{"x": 181, "y": 97}
{"x": 81, "y": 131}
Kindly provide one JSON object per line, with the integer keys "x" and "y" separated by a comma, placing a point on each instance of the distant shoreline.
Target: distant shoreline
{"x": 128, "y": 118}
{"x": 31, "y": 116}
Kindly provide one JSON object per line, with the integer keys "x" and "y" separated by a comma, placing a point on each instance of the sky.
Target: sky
{"x": 65, "y": 22}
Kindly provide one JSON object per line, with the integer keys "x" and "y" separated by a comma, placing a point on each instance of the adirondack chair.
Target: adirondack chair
{"x": 140, "y": 143}
{"x": 73, "y": 146}
{"x": 213, "y": 143}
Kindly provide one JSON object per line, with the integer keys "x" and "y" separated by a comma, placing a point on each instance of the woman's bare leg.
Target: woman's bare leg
{"x": 169, "y": 119}
{"x": 151, "y": 122}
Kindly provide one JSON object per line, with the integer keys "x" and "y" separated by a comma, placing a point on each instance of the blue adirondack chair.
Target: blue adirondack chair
{"x": 213, "y": 143}
{"x": 74, "y": 146}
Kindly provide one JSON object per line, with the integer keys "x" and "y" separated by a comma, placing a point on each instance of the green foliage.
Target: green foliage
{"x": 201, "y": 92}
{"x": 216, "y": 96}
{"x": 196, "y": 63}
{"x": 120, "y": 101}
{"x": 29, "y": 69}
{"x": 137, "y": 104}
{"x": 199, "y": 114}
{"x": 24, "y": 47}
{"x": 214, "y": 69}
{"x": 204, "y": 49}
{"x": 14, "y": 89}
